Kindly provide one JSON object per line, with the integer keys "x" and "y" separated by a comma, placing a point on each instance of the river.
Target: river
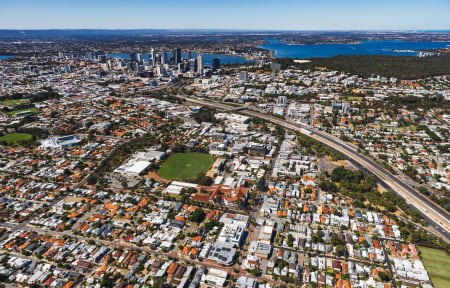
{"x": 405, "y": 48}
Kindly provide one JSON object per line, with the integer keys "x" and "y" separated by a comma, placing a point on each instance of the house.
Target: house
{"x": 246, "y": 282}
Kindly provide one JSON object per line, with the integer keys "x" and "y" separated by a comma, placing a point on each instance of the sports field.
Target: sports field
{"x": 15, "y": 102}
{"x": 14, "y": 138}
{"x": 33, "y": 110}
{"x": 437, "y": 263}
{"x": 185, "y": 166}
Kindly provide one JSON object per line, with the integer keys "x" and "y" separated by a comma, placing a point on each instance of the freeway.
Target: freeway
{"x": 433, "y": 213}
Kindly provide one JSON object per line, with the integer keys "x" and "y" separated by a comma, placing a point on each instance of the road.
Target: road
{"x": 433, "y": 213}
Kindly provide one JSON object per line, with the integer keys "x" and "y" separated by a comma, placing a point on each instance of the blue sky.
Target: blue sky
{"x": 227, "y": 14}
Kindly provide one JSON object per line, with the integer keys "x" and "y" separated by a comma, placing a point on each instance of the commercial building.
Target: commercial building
{"x": 139, "y": 162}
{"x": 222, "y": 253}
{"x": 231, "y": 233}
{"x": 216, "y": 63}
{"x": 243, "y": 75}
{"x": 60, "y": 142}
{"x": 177, "y": 55}
{"x": 200, "y": 64}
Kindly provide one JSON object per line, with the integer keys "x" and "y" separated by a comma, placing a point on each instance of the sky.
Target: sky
{"x": 226, "y": 14}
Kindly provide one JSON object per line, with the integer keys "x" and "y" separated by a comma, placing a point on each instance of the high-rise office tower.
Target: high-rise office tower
{"x": 200, "y": 64}
{"x": 177, "y": 55}
{"x": 164, "y": 59}
{"x": 193, "y": 65}
{"x": 133, "y": 56}
{"x": 189, "y": 55}
{"x": 153, "y": 56}
{"x": 139, "y": 57}
{"x": 216, "y": 63}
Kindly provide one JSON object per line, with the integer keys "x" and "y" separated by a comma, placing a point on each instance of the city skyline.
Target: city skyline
{"x": 229, "y": 15}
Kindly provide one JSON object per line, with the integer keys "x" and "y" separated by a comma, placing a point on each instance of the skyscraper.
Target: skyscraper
{"x": 177, "y": 55}
{"x": 153, "y": 56}
{"x": 216, "y": 63}
{"x": 164, "y": 59}
{"x": 200, "y": 64}
{"x": 193, "y": 65}
{"x": 189, "y": 55}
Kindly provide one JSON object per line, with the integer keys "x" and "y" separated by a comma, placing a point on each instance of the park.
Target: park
{"x": 15, "y": 138}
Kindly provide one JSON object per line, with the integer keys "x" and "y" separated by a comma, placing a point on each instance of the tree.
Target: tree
{"x": 384, "y": 276}
{"x": 106, "y": 281}
{"x": 341, "y": 250}
{"x": 328, "y": 186}
{"x": 158, "y": 282}
{"x": 203, "y": 180}
{"x": 401, "y": 67}
{"x": 424, "y": 190}
{"x": 198, "y": 216}
{"x": 290, "y": 240}
{"x": 67, "y": 172}
{"x": 218, "y": 199}
{"x": 205, "y": 114}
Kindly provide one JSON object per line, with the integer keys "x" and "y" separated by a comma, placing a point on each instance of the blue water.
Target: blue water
{"x": 364, "y": 48}
{"x": 207, "y": 58}
{"x": 6, "y": 56}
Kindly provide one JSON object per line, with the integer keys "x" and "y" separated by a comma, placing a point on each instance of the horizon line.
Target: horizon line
{"x": 227, "y": 29}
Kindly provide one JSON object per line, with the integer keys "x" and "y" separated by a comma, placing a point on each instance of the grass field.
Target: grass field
{"x": 34, "y": 110}
{"x": 14, "y": 138}
{"x": 15, "y": 102}
{"x": 437, "y": 263}
{"x": 185, "y": 166}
